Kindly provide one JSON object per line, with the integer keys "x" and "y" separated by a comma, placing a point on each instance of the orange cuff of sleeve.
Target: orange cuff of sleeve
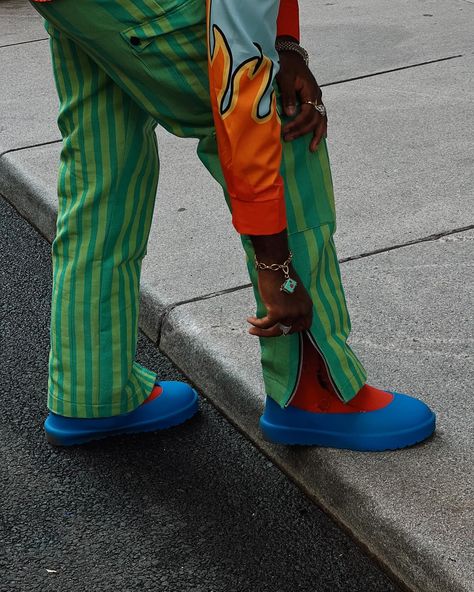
{"x": 264, "y": 215}
{"x": 289, "y": 19}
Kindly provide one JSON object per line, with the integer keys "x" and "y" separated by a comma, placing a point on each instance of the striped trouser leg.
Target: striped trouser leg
{"x": 107, "y": 186}
{"x": 112, "y": 91}
{"x": 311, "y": 226}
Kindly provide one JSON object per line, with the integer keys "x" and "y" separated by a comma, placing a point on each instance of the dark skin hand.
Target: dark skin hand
{"x": 289, "y": 309}
{"x": 297, "y": 84}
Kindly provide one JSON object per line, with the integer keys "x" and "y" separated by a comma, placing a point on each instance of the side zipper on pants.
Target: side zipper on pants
{"x": 300, "y": 367}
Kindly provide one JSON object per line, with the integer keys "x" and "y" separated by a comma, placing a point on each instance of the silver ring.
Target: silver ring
{"x": 285, "y": 329}
{"x": 321, "y": 109}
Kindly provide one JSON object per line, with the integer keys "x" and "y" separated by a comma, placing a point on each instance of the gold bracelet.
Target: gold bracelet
{"x": 289, "y": 285}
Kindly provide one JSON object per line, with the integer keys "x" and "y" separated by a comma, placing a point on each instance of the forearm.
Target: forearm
{"x": 271, "y": 248}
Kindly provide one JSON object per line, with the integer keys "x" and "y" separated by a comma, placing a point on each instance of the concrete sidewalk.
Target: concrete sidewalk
{"x": 399, "y": 79}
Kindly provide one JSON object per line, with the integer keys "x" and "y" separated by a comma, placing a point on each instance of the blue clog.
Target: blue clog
{"x": 403, "y": 422}
{"x": 177, "y": 403}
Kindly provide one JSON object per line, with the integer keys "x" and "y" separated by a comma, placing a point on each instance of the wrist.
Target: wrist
{"x": 289, "y": 283}
{"x": 272, "y": 248}
{"x": 285, "y": 45}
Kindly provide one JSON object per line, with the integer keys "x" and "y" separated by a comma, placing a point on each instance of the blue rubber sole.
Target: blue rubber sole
{"x": 368, "y": 432}
{"x": 372, "y": 443}
{"x": 63, "y": 437}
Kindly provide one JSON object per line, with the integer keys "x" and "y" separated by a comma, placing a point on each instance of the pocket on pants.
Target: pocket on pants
{"x": 172, "y": 17}
{"x": 168, "y": 55}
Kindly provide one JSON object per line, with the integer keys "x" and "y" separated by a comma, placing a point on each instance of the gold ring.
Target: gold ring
{"x": 321, "y": 109}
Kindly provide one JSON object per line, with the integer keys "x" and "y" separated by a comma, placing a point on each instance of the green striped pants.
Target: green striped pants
{"x": 113, "y": 92}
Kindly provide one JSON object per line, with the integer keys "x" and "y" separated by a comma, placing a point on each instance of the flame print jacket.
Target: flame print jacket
{"x": 243, "y": 64}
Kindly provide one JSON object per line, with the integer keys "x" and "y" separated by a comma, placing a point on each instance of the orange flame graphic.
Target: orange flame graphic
{"x": 249, "y": 143}
{"x": 254, "y": 76}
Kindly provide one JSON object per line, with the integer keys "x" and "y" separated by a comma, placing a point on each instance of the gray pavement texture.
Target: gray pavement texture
{"x": 349, "y": 39}
{"x": 19, "y": 24}
{"x": 399, "y": 90}
{"x": 195, "y": 508}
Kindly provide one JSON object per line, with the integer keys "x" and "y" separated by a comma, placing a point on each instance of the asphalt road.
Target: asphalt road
{"x": 196, "y": 508}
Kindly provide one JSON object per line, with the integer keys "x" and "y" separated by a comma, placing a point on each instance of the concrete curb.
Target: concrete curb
{"x": 16, "y": 181}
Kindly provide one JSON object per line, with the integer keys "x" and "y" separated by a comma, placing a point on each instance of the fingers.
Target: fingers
{"x": 288, "y": 96}
{"x": 275, "y": 331}
{"x": 319, "y": 133}
{"x": 265, "y": 327}
{"x": 263, "y": 323}
{"x": 303, "y": 121}
{"x": 270, "y": 328}
{"x": 308, "y": 120}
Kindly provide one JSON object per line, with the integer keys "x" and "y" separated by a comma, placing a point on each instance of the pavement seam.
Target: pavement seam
{"x": 427, "y": 63}
{"x": 28, "y": 147}
{"x": 415, "y": 241}
{"x": 24, "y": 42}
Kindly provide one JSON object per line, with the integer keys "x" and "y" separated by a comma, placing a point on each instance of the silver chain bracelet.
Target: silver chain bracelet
{"x": 281, "y": 45}
{"x": 289, "y": 285}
